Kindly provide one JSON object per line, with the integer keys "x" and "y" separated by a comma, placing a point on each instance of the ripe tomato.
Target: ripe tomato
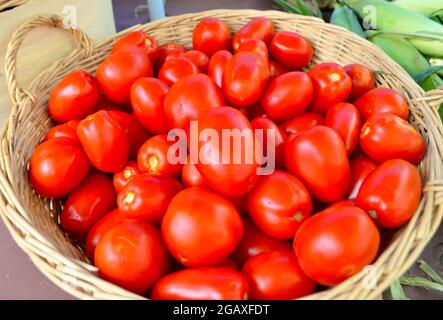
{"x": 147, "y": 99}
{"x": 382, "y": 100}
{"x": 386, "y": 136}
{"x": 191, "y": 177}
{"x": 258, "y": 28}
{"x": 271, "y": 131}
{"x": 301, "y": 123}
{"x": 244, "y": 79}
{"x": 185, "y": 100}
{"x": 135, "y": 132}
{"x": 291, "y": 49}
{"x": 74, "y": 97}
{"x": 57, "y": 166}
{"x": 318, "y": 158}
{"x": 391, "y": 193}
{"x": 336, "y": 243}
{"x": 229, "y": 264}
{"x": 146, "y": 197}
{"x": 217, "y": 65}
{"x": 166, "y": 50}
{"x": 131, "y": 254}
{"x": 331, "y": 85}
{"x": 210, "y": 283}
{"x": 277, "y": 276}
{"x": 254, "y": 242}
{"x": 198, "y": 216}
{"x": 107, "y": 105}
{"x": 104, "y": 141}
{"x": 99, "y": 229}
{"x": 362, "y": 80}
{"x": 139, "y": 39}
{"x": 345, "y": 119}
{"x": 211, "y": 35}
{"x": 153, "y": 157}
{"x": 278, "y": 204}
{"x": 65, "y": 130}
{"x": 176, "y": 68}
{"x": 276, "y": 69}
{"x": 256, "y": 46}
{"x": 88, "y": 203}
{"x": 198, "y": 58}
{"x": 281, "y": 102}
{"x": 122, "y": 178}
{"x": 361, "y": 167}
{"x": 117, "y": 73}
{"x": 230, "y": 170}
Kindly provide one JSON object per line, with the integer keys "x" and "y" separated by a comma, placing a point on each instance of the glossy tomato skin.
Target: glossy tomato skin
{"x": 386, "y": 136}
{"x": 74, "y": 97}
{"x": 146, "y": 197}
{"x": 258, "y": 28}
{"x": 255, "y": 46}
{"x": 209, "y": 283}
{"x": 134, "y": 130}
{"x": 198, "y": 58}
{"x": 362, "y": 79}
{"x": 57, "y": 166}
{"x": 152, "y": 157}
{"x": 166, "y": 50}
{"x": 291, "y": 50}
{"x": 345, "y": 119}
{"x": 131, "y": 254}
{"x": 391, "y": 193}
{"x": 271, "y": 131}
{"x": 99, "y": 229}
{"x": 302, "y": 122}
{"x": 104, "y": 141}
{"x": 244, "y": 79}
{"x": 255, "y": 242}
{"x": 191, "y": 177}
{"x": 107, "y": 105}
{"x": 277, "y": 276}
{"x": 318, "y": 158}
{"x": 352, "y": 243}
{"x": 232, "y": 174}
{"x": 139, "y": 39}
{"x": 147, "y": 100}
{"x": 176, "y": 68}
{"x": 196, "y": 216}
{"x": 211, "y": 35}
{"x": 276, "y": 69}
{"x": 117, "y": 73}
{"x": 122, "y": 178}
{"x": 65, "y": 130}
{"x": 382, "y": 100}
{"x": 361, "y": 166}
{"x": 281, "y": 102}
{"x": 90, "y": 201}
{"x": 278, "y": 204}
{"x": 331, "y": 85}
{"x": 217, "y": 65}
{"x": 185, "y": 100}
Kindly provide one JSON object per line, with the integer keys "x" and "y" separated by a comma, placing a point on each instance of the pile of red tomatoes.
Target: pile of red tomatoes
{"x": 345, "y": 158}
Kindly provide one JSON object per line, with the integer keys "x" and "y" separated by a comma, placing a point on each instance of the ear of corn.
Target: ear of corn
{"x": 345, "y": 17}
{"x": 425, "y": 34}
{"x": 425, "y": 7}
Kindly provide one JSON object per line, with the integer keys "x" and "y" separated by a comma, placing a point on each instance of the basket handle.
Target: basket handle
{"x": 17, "y": 94}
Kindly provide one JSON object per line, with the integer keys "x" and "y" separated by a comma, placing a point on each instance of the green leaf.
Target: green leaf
{"x": 397, "y": 292}
{"x": 304, "y": 9}
{"x": 421, "y": 282}
{"x": 437, "y": 13}
{"x": 423, "y": 75}
{"x": 346, "y": 17}
{"x": 287, "y": 6}
{"x": 426, "y": 268}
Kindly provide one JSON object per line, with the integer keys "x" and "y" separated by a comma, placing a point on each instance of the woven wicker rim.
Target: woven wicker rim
{"x": 32, "y": 219}
{"x": 7, "y": 4}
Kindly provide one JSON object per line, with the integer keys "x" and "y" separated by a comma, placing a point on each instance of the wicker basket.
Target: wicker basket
{"x": 8, "y": 4}
{"x": 32, "y": 220}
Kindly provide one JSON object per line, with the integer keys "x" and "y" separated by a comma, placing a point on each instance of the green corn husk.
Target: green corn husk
{"x": 425, "y": 34}
{"x": 425, "y": 7}
{"x": 437, "y": 62}
{"x": 345, "y": 17}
